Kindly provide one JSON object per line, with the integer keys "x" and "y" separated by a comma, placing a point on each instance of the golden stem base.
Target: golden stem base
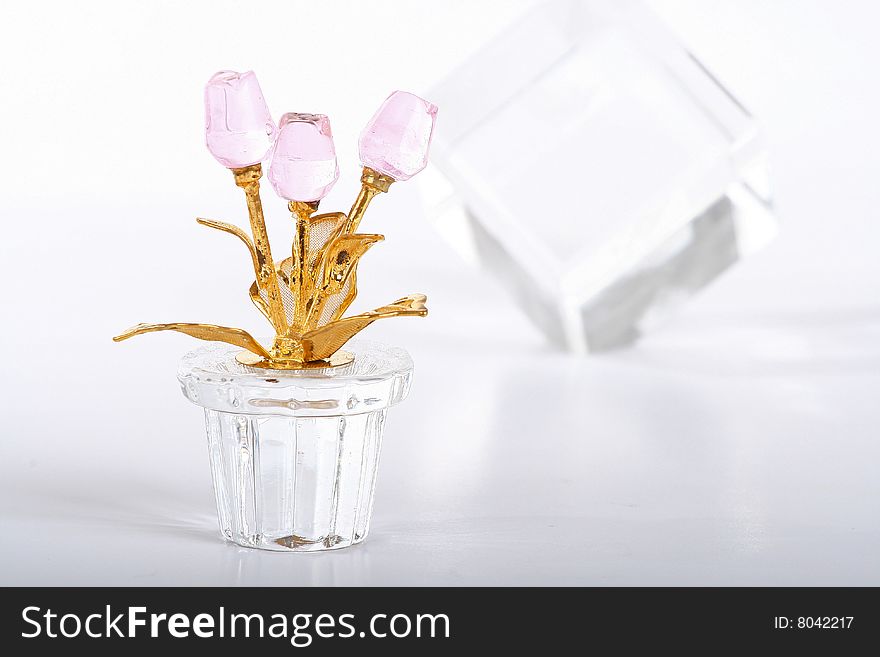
{"x": 336, "y": 360}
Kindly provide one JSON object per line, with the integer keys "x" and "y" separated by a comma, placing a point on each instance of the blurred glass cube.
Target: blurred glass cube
{"x": 591, "y": 162}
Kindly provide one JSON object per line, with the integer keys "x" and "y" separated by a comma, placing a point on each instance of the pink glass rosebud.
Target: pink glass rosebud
{"x": 396, "y": 140}
{"x": 238, "y": 126}
{"x": 304, "y": 162}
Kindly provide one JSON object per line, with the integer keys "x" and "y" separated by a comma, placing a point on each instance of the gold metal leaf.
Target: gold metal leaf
{"x": 324, "y": 341}
{"x": 287, "y": 292}
{"x": 212, "y": 332}
{"x": 323, "y": 228}
{"x": 240, "y": 234}
{"x": 342, "y": 257}
{"x": 339, "y": 263}
{"x": 259, "y": 301}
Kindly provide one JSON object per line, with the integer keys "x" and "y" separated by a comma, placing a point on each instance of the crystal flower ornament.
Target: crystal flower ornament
{"x": 305, "y": 295}
{"x": 396, "y": 140}
{"x": 238, "y": 126}
{"x": 304, "y": 160}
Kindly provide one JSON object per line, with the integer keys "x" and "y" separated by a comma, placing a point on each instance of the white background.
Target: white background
{"x": 737, "y": 445}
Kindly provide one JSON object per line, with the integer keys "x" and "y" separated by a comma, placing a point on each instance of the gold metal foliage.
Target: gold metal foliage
{"x": 305, "y": 295}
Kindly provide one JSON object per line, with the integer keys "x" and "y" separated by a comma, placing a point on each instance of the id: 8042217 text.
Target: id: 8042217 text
{"x": 813, "y": 622}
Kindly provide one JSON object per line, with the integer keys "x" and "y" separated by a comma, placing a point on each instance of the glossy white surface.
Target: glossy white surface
{"x": 737, "y": 445}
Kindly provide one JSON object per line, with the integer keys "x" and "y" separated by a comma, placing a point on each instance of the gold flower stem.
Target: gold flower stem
{"x": 359, "y": 208}
{"x": 372, "y": 183}
{"x": 314, "y": 311}
{"x": 304, "y": 284}
{"x": 248, "y": 178}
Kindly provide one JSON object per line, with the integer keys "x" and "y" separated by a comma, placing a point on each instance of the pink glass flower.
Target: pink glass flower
{"x": 397, "y": 138}
{"x": 238, "y": 126}
{"x": 304, "y": 162}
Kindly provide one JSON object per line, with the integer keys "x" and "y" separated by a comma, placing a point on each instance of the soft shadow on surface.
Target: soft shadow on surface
{"x": 104, "y": 503}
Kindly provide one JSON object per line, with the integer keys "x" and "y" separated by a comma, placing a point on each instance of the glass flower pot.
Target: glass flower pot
{"x": 294, "y": 454}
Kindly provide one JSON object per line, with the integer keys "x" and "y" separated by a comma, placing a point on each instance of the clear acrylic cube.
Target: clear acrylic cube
{"x": 598, "y": 169}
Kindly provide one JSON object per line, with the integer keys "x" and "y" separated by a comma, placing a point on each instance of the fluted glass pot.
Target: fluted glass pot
{"x": 294, "y": 454}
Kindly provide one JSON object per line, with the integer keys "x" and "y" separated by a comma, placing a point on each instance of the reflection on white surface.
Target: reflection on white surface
{"x": 657, "y": 466}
